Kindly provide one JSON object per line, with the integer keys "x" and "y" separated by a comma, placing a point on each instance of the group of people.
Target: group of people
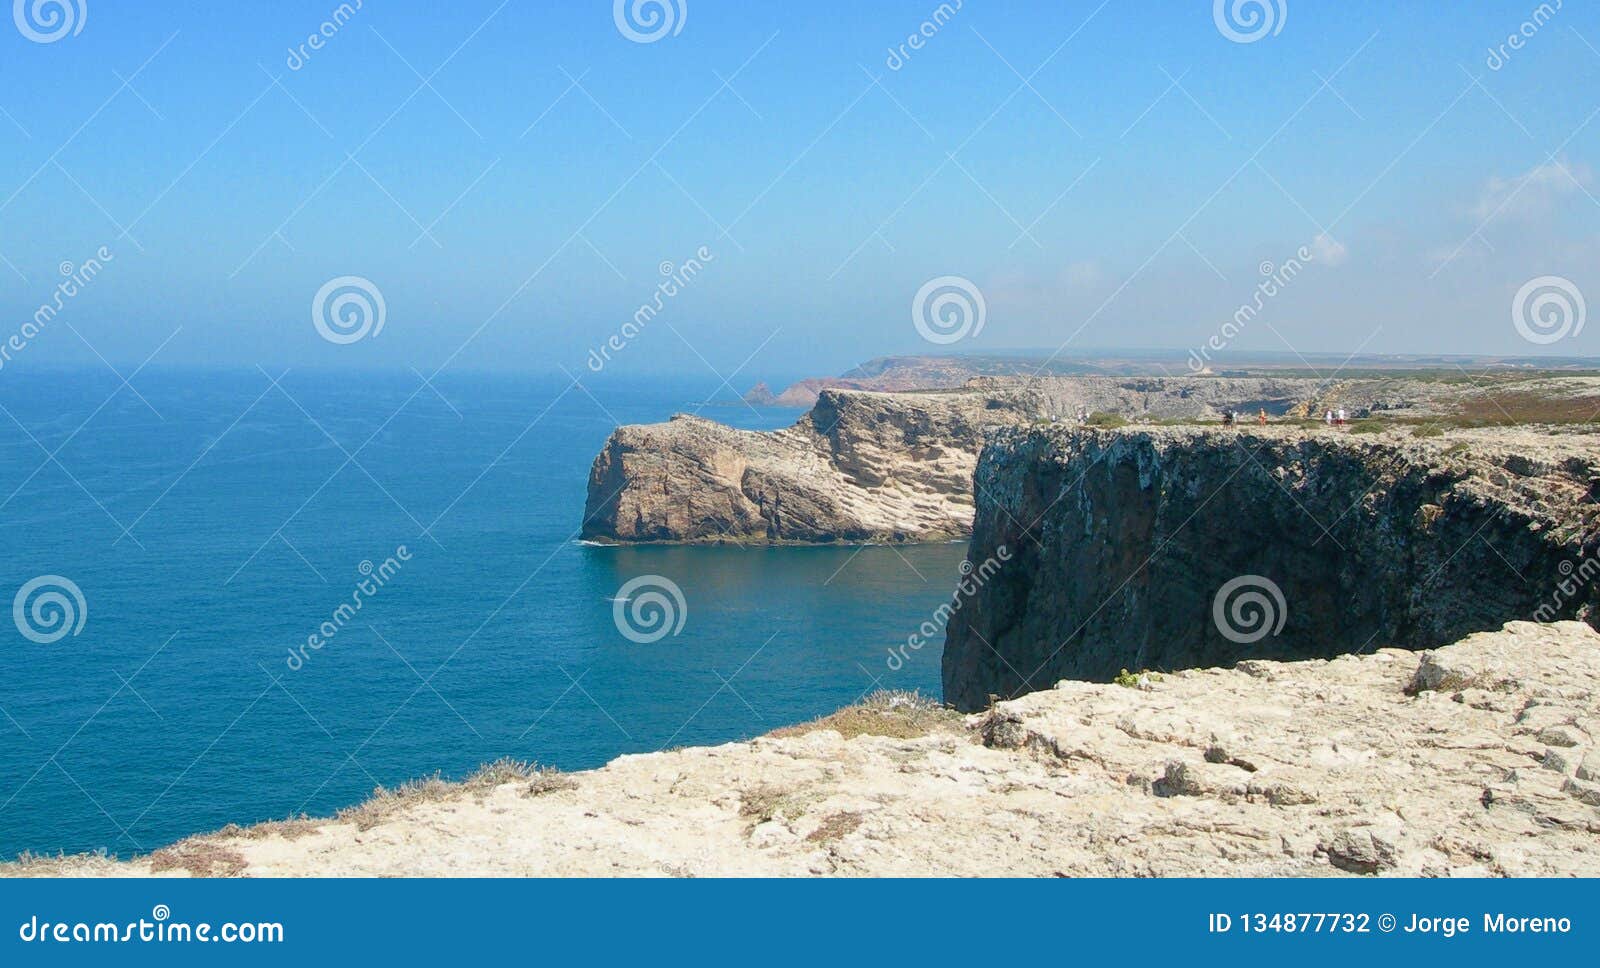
{"x": 1336, "y": 418}
{"x": 1233, "y": 418}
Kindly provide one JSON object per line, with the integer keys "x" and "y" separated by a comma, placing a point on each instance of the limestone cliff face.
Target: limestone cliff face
{"x": 864, "y": 465}
{"x": 860, "y": 466}
{"x": 1121, "y": 541}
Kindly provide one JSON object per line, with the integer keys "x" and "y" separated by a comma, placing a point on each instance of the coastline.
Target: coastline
{"x": 1393, "y": 762}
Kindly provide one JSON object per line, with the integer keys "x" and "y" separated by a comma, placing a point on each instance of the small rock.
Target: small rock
{"x": 1564, "y": 736}
{"x": 1582, "y": 792}
{"x": 1555, "y": 759}
{"x": 1363, "y": 850}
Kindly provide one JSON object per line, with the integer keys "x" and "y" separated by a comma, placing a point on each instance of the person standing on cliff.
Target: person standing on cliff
{"x": 1261, "y": 417}
{"x": 1327, "y": 418}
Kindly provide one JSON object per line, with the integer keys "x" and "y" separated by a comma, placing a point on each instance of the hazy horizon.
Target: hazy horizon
{"x": 517, "y": 183}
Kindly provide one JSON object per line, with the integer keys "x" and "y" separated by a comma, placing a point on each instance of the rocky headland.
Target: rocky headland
{"x": 878, "y": 466}
{"x": 1376, "y": 700}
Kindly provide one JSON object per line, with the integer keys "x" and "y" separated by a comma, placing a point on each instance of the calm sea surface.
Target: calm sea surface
{"x": 213, "y": 520}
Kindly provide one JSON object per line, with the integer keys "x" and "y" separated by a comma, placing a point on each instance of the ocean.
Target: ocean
{"x": 180, "y": 539}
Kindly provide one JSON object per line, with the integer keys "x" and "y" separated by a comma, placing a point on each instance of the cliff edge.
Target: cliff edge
{"x": 865, "y": 465}
{"x": 1478, "y": 759}
{"x": 1175, "y": 547}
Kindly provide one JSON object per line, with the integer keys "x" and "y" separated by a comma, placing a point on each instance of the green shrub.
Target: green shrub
{"x": 1130, "y": 680}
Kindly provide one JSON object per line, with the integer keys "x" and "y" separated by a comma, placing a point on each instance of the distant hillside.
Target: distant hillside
{"x": 930, "y": 372}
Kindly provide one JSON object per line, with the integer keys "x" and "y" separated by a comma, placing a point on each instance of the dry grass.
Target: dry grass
{"x": 201, "y": 858}
{"x": 1514, "y": 408}
{"x": 29, "y": 864}
{"x": 835, "y": 827}
{"x": 291, "y": 828}
{"x": 762, "y": 804}
{"x": 385, "y": 802}
{"x": 900, "y": 715}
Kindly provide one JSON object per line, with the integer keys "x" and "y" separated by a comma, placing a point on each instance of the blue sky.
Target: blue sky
{"x": 516, "y": 210}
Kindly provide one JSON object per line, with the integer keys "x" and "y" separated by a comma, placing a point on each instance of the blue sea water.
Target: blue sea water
{"x": 214, "y": 519}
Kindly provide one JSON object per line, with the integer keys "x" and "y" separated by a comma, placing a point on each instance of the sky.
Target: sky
{"x": 514, "y": 180}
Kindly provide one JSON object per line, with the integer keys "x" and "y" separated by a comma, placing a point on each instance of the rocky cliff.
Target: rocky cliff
{"x": 1478, "y": 759}
{"x": 1167, "y": 548}
{"x": 861, "y": 465}
{"x": 877, "y": 466}
{"x": 858, "y": 467}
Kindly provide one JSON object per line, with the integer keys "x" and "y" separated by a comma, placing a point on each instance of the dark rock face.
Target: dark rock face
{"x": 1122, "y": 540}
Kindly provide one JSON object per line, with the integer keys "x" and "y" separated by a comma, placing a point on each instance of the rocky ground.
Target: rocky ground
{"x": 1477, "y": 759}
